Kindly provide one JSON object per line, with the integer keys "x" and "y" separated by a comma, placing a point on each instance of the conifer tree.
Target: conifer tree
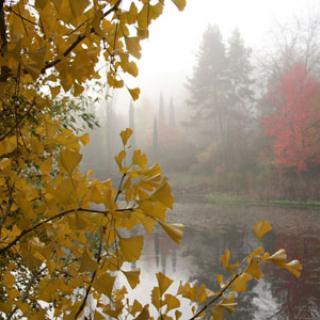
{"x": 207, "y": 86}
{"x": 172, "y": 115}
{"x": 239, "y": 76}
{"x": 162, "y": 120}
{"x": 155, "y": 140}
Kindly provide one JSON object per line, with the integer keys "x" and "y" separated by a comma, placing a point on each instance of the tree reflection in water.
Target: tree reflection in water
{"x": 278, "y": 295}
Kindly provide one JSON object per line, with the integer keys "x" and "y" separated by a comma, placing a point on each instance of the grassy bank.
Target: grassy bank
{"x": 232, "y": 199}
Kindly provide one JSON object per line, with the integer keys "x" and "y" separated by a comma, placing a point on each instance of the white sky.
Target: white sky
{"x": 169, "y": 54}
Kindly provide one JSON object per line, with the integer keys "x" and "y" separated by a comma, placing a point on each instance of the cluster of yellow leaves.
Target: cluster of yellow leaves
{"x": 66, "y": 228}
{"x": 68, "y": 37}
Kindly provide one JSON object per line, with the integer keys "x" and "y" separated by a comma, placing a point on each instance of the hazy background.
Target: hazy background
{"x": 279, "y": 41}
{"x": 169, "y": 54}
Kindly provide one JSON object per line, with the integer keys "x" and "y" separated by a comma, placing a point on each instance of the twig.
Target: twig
{"x": 93, "y": 277}
{"x": 53, "y": 218}
{"x": 120, "y": 187}
{"x": 80, "y": 38}
{"x": 216, "y": 298}
{"x": 22, "y": 17}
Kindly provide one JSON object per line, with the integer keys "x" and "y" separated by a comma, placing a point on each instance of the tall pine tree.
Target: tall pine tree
{"x": 207, "y": 86}
{"x": 220, "y": 91}
{"x": 172, "y": 115}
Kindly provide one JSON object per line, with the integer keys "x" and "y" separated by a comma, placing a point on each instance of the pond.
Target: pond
{"x": 211, "y": 228}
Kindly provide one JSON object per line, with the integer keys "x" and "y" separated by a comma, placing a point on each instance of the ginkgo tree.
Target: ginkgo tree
{"x": 64, "y": 235}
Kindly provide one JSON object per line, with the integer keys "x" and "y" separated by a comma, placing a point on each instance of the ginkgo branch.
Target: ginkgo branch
{"x": 79, "y": 39}
{"x": 4, "y": 42}
{"x": 18, "y": 123}
{"x": 22, "y": 17}
{"x": 93, "y": 276}
{"x": 217, "y": 297}
{"x": 53, "y": 218}
{"x": 120, "y": 187}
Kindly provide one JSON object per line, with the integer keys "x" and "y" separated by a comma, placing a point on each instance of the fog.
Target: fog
{"x": 218, "y": 130}
{"x": 169, "y": 54}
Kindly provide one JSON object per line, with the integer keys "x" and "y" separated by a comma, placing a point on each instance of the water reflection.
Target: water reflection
{"x": 211, "y": 229}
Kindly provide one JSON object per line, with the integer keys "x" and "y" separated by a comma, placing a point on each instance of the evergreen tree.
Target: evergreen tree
{"x": 239, "y": 74}
{"x": 172, "y": 115}
{"x": 162, "y": 120}
{"x": 155, "y": 140}
{"x": 208, "y": 84}
{"x": 220, "y": 93}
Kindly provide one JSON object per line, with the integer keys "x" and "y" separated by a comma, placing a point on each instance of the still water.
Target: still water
{"x": 211, "y": 229}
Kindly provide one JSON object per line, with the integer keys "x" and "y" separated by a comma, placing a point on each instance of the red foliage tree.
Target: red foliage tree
{"x": 294, "y": 126}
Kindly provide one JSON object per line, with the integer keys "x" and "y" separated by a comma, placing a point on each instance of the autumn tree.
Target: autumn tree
{"x": 64, "y": 235}
{"x": 294, "y": 125}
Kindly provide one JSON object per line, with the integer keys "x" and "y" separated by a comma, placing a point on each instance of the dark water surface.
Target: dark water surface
{"x": 212, "y": 228}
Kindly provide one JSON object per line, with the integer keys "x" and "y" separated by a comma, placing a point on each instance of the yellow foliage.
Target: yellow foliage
{"x": 261, "y": 228}
{"x": 131, "y": 248}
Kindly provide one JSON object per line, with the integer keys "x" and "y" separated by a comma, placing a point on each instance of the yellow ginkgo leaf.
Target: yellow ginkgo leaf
{"x": 241, "y": 282}
{"x": 228, "y": 302}
{"x": 133, "y": 46}
{"x": 225, "y": 261}
{"x": 164, "y": 195}
{"x": 132, "y": 277}
{"x": 217, "y": 312}
{"x": 55, "y": 91}
{"x": 279, "y": 258}
{"x": 85, "y": 139}
{"x": 261, "y": 228}
{"x": 119, "y": 159}
{"x": 135, "y": 308}
{"x": 87, "y": 264}
{"x": 135, "y": 93}
{"x": 178, "y": 314}
{"x": 125, "y": 135}
{"x": 144, "y": 315}
{"x": 45, "y": 166}
{"x": 253, "y": 268}
{"x": 174, "y": 231}
{"x": 155, "y": 297}
{"x": 104, "y": 284}
{"x": 69, "y": 160}
{"x": 140, "y": 159}
{"x": 78, "y": 6}
{"x": 131, "y": 248}
{"x": 220, "y": 280}
{"x": 294, "y": 267}
{"x": 164, "y": 282}
{"x": 171, "y": 301}
{"x": 180, "y": 4}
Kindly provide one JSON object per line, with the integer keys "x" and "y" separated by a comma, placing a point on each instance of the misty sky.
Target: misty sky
{"x": 169, "y": 54}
